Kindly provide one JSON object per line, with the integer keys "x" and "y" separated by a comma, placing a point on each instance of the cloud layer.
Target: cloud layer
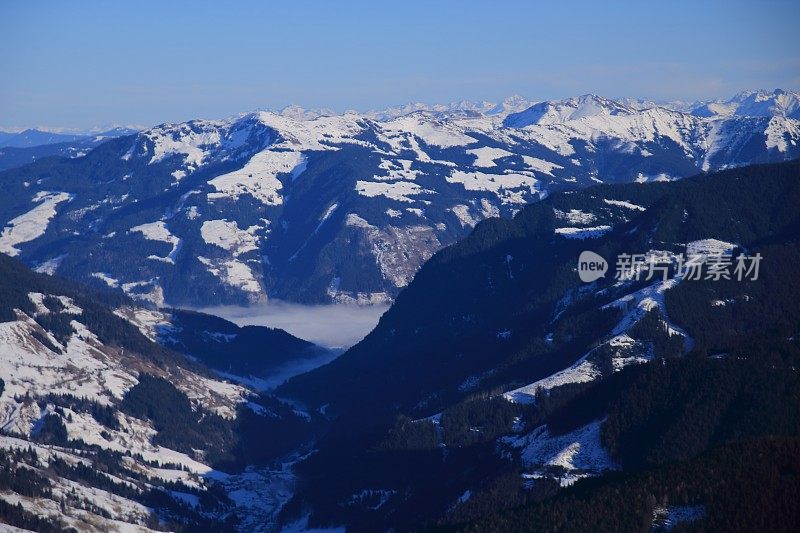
{"x": 331, "y": 326}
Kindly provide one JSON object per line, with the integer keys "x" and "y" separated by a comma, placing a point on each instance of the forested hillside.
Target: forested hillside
{"x": 499, "y": 377}
{"x": 103, "y": 428}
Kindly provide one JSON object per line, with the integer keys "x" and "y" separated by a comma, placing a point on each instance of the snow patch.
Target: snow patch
{"x": 157, "y": 231}
{"x": 624, "y": 204}
{"x": 108, "y": 280}
{"x": 510, "y": 188}
{"x": 486, "y": 156}
{"x": 234, "y": 273}
{"x": 583, "y": 233}
{"x": 258, "y": 177}
{"x": 226, "y": 234}
{"x": 576, "y": 454}
{"x": 575, "y": 216}
{"x": 582, "y": 371}
{"x": 462, "y": 213}
{"x": 709, "y": 247}
{"x": 33, "y": 224}
{"x": 398, "y": 190}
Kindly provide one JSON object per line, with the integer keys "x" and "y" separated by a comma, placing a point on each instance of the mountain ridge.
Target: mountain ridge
{"x": 345, "y": 208}
{"x": 499, "y": 379}
{"x": 498, "y": 390}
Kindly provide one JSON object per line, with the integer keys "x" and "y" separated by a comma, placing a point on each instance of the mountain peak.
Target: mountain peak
{"x": 299, "y": 113}
{"x": 753, "y": 103}
{"x": 560, "y": 111}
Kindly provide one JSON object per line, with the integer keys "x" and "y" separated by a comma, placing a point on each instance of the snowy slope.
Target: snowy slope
{"x": 419, "y": 177}
{"x": 65, "y": 364}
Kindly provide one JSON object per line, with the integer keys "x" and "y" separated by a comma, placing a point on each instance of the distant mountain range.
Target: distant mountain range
{"x": 21, "y": 148}
{"x": 315, "y": 207}
{"x": 33, "y": 137}
{"x": 29, "y": 138}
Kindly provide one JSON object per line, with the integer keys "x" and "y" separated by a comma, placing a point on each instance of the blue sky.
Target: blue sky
{"x": 81, "y": 64}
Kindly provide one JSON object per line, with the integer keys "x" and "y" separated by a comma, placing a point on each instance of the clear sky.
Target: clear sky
{"x": 87, "y": 63}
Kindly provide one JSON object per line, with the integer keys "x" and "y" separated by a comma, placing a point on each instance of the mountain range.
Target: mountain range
{"x": 499, "y": 392}
{"x": 20, "y": 148}
{"x": 498, "y": 377}
{"x": 103, "y": 429}
{"x": 314, "y": 207}
{"x": 31, "y": 138}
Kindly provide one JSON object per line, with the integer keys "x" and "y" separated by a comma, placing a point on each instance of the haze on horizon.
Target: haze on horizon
{"x": 84, "y": 65}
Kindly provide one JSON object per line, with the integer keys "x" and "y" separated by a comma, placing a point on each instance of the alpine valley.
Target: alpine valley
{"x": 499, "y": 392}
{"x": 313, "y": 207}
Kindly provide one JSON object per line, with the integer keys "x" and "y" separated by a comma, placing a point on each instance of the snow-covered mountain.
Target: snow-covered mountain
{"x": 497, "y": 379}
{"x": 20, "y": 148}
{"x": 778, "y": 103}
{"x": 33, "y": 137}
{"x": 511, "y": 104}
{"x": 102, "y": 429}
{"x": 317, "y": 207}
{"x": 499, "y": 358}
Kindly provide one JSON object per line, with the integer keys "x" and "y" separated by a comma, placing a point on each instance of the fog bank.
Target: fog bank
{"x": 331, "y": 326}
